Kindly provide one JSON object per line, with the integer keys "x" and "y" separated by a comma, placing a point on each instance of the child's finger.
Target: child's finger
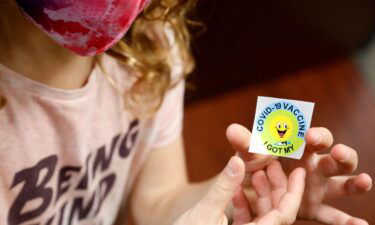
{"x": 329, "y": 215}
{"x": 262, "y": 188}
{"x": 341, "y": 161}
{"x": 290, "y": 202}
{"x": 241, "y": 208}
{"x": 212, "y": 205}
{"x": 318, "y": 139}
{"x": 348, "y": 185}
{"x": 278, "y": 182}
{"x": 274, "y": 217}
{"x": 239, "y": 137}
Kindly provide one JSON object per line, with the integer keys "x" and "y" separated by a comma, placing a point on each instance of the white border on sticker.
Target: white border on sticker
{"x": 280, "y": 126}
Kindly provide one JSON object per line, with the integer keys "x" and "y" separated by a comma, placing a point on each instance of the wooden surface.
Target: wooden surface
{"x": 343, "y": 104}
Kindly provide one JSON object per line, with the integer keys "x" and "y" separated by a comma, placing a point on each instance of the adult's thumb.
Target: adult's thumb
{"x": 222, "y": 191}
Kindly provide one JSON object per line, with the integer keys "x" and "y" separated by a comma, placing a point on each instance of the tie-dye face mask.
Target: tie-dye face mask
{"x": 86, "y": 27}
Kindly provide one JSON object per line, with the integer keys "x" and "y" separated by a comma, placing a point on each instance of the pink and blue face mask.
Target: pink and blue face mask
{"x": 86, "y": 27}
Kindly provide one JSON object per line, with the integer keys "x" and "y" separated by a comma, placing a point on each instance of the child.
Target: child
{"x": 79, "y": 130}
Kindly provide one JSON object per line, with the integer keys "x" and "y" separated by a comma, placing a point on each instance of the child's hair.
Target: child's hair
{"x": 146, "y": 49}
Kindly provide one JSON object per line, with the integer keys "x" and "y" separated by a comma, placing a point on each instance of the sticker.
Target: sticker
{"x": 280, "y": 126}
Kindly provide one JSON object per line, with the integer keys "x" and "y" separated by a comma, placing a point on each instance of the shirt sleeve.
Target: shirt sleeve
{"x": 168, "y": 120}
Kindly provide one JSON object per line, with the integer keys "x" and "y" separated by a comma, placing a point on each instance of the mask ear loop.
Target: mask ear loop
{"x": 3, "y": 100}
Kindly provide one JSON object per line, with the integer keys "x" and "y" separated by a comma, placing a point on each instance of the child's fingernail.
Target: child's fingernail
{"x": 345, "y": 155}
{"x": 232, "y": 167}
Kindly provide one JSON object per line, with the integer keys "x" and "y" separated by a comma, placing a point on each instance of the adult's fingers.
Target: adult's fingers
{"x": 329, "y": 215}
{"x": 239, "y": 137}
{"x": 241, "y": 208}
{"x": 348, "y": 185}
{"x": 278, "y": 182}
{"x": 318, "y": 139}
{"x": 222, "y": 191}
{"x": 342, "y": 160}
{"x": 263, "y": 190}
{"x": 290, "y": 202}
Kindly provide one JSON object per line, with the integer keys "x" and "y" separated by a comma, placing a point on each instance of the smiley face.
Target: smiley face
{"x": 281, "y": 127}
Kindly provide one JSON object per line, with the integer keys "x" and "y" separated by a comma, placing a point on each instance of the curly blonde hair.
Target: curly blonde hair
{"x": 146, "y": 50}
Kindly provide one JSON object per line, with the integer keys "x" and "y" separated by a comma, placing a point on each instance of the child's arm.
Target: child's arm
{"x": 162, "y": 192}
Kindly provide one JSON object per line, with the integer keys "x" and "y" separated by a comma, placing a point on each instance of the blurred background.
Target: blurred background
{"x": 320, "y": 51}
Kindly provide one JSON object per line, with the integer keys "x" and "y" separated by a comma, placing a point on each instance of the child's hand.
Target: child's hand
{"x": 210, "y": 210}
{"x": 278, "y": 199}
{"x": 273, "y": 209}
{"x": 324, "y": 173}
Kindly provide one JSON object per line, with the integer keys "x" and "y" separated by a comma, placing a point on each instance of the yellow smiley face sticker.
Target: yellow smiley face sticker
{"x": 281, "y": 127}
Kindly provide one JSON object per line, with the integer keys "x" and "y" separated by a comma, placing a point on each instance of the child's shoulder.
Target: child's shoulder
{"x": 117, "y": 73}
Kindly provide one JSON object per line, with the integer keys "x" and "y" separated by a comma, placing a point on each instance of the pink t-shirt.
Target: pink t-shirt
{"x": 67, "y": 155}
